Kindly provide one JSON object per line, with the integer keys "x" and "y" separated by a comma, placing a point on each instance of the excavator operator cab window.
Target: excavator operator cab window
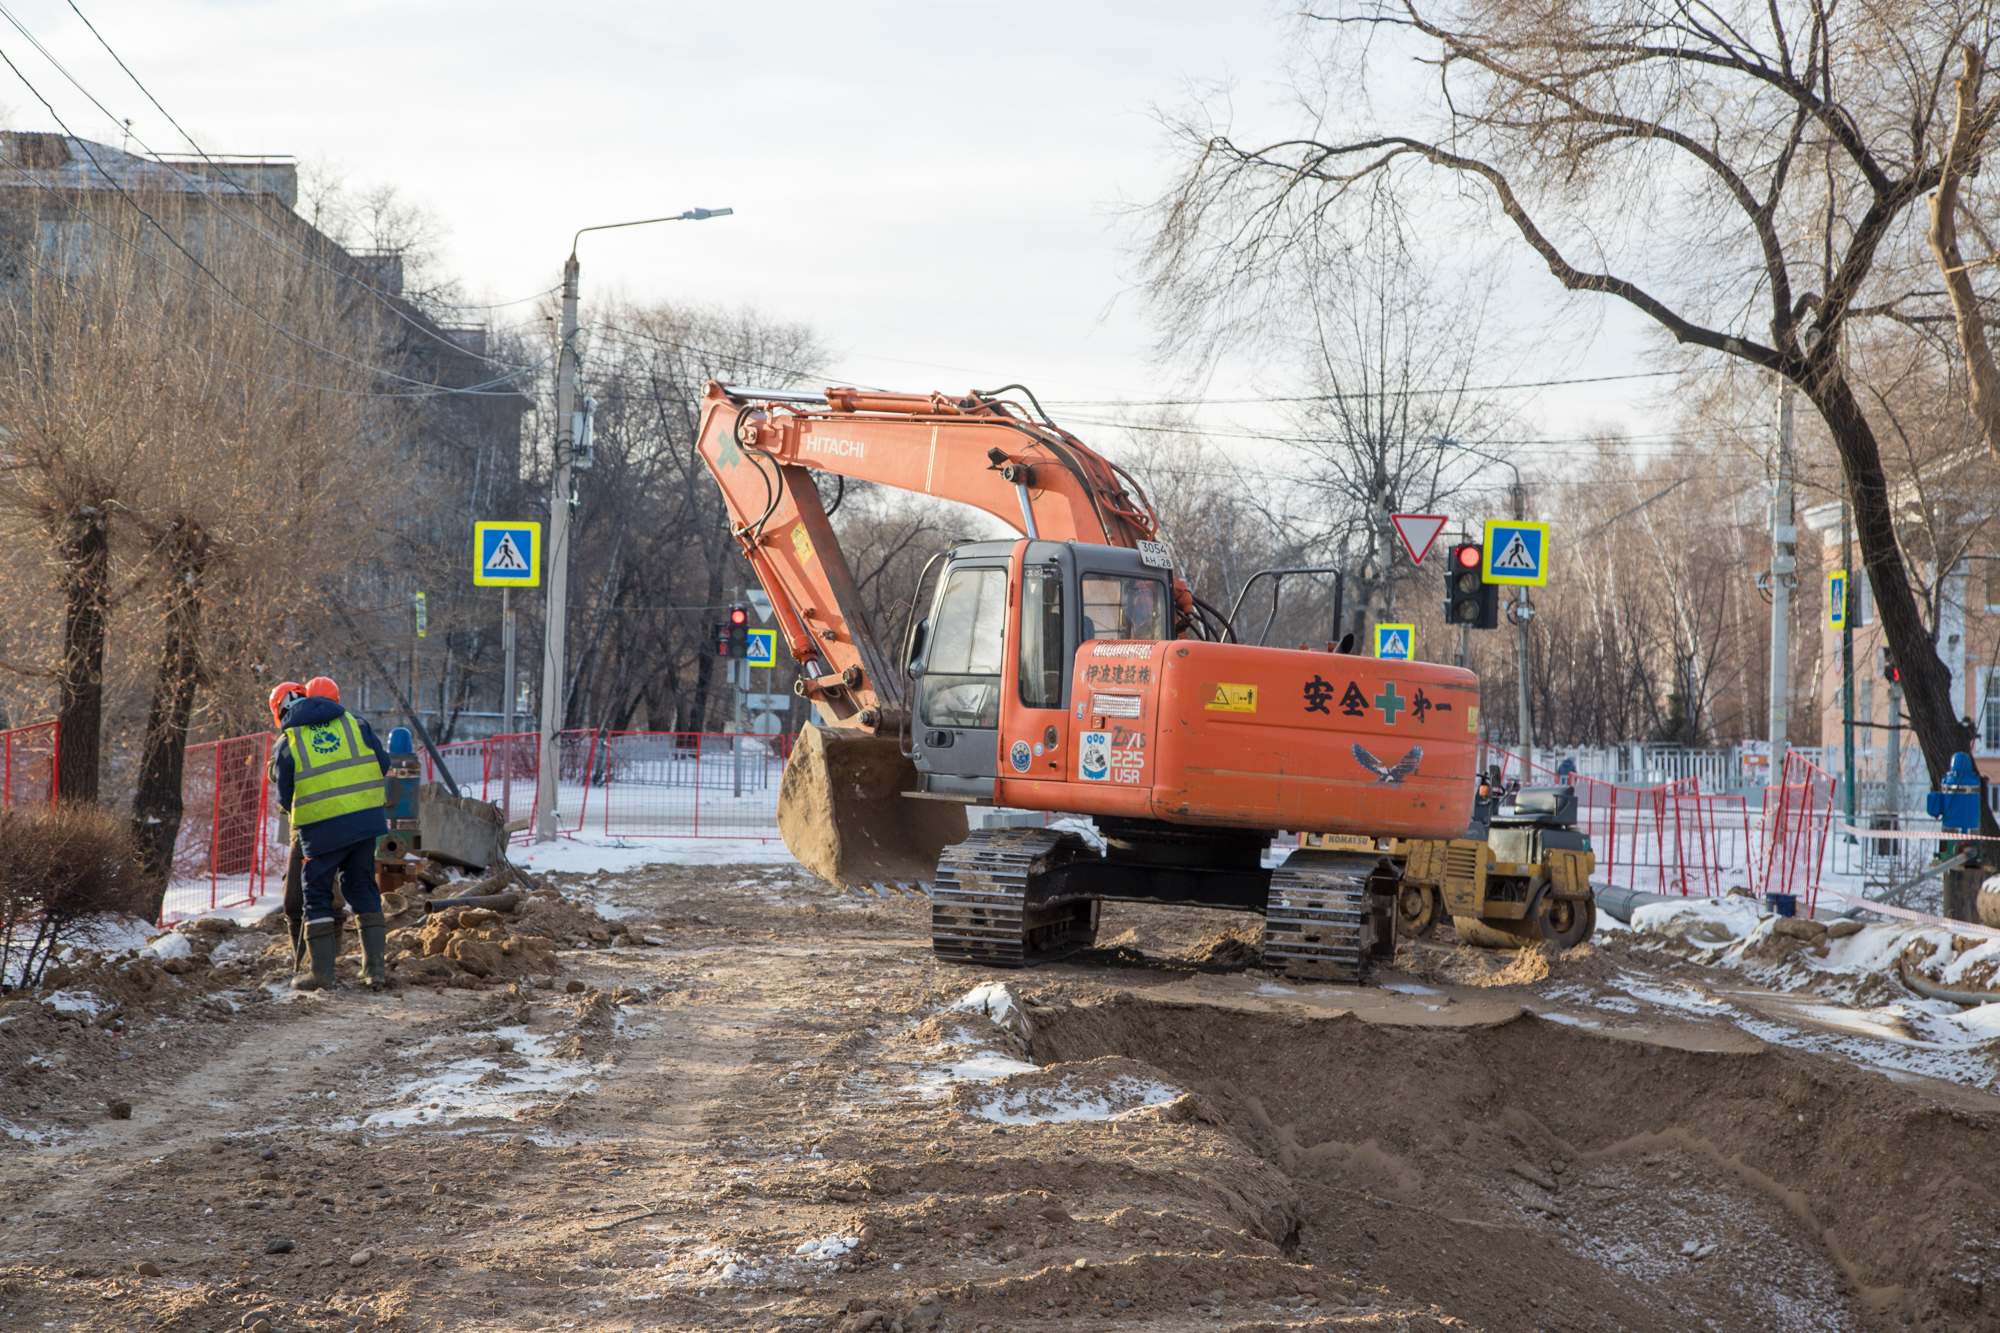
{"x": 1043, "y": 658}
{"x": 963, "y": 660}
{"x": 1116, "y": 607}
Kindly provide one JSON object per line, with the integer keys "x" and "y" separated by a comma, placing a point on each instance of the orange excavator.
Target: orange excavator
{"x": 1071, "y": 671}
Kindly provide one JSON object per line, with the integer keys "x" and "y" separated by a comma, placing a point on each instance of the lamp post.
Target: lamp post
{"x": 562, "y": 499}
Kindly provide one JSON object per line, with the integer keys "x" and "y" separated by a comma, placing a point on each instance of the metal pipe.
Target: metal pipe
{"x": 1930, "y": 992}
{"x": 1027, "y": 511}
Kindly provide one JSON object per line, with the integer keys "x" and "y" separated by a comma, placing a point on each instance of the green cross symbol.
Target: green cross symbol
{"x": 1390, "y": 703}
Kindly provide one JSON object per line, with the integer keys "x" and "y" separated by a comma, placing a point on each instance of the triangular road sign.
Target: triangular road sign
{"x": 1418, "y": 532}
{"x": 760, "y": 602}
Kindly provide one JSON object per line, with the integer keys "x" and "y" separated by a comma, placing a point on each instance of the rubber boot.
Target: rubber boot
{"x": 374, "y": 944}
{"x": 322, "y": 943}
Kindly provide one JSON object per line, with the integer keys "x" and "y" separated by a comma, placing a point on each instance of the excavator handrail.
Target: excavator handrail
{"x": 1277, "y": 577}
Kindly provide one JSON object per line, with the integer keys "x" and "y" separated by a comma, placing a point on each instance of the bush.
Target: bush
{"x": 61, "y": 869}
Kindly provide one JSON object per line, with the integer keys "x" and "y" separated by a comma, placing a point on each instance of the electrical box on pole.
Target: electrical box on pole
{"x": 1469, "y": 600}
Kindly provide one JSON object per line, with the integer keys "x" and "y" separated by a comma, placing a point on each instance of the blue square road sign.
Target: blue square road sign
{"x": 507, "y": 555}
{"x": 1517, "y": 552}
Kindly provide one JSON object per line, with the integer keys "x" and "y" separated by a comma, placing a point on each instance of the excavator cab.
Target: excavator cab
{"x": 963, "y": 676}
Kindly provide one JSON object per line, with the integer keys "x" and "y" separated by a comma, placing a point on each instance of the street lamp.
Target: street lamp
{"x": 1521, "y": 610}
{"x": 562, "y": 499}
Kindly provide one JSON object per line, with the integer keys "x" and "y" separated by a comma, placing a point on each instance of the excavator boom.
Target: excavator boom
{"x": 763, "y": 447}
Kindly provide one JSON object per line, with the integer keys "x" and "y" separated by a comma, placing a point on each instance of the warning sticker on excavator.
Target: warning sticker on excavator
{"x": 802, "y": 543}
{"x": 1232, "y": 699}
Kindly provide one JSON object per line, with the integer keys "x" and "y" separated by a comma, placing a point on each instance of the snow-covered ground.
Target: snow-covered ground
{"x": 1835, "y": 994}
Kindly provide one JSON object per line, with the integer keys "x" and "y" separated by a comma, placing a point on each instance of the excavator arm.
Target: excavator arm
{"x": 979, "y": 450}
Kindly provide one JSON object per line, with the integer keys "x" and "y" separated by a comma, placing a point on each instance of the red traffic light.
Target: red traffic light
{"x": 1468, "y": 557}
{"x": 739, "y": 615}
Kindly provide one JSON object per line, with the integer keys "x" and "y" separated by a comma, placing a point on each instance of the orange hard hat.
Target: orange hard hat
{"x": 322, "y": 687}
{"x": 281, "y": 694}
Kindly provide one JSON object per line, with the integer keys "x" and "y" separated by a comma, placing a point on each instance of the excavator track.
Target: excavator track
{"x": 980, "y": 909}
{"x": 1317, "y": 920}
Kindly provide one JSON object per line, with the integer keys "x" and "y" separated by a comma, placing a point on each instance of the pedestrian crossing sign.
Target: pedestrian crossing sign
{"x": 763, "y": 648}
{"x": 1836, "y": 599}
{"x": 1516, "y": 552}
{"x": 1395, "y": 642}
{"x": 507, "y": 555}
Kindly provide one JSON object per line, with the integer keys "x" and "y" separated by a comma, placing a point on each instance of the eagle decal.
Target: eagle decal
{"x": 1388, "y": 776}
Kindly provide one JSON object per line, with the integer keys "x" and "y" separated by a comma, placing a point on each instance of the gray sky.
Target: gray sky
{"x": 935, "y": 187}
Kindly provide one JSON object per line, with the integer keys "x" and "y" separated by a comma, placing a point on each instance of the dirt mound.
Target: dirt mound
{"x": 1443, "y": 957}
{"x": 1241, "y": 946}
{"x": 468, "y": 947}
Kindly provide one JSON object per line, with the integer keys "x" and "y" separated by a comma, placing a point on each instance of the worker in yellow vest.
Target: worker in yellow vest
{"x": 328, "y": 772}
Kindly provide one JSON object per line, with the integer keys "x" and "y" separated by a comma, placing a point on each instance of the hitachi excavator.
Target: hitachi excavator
{"x": 1070, "y": 671}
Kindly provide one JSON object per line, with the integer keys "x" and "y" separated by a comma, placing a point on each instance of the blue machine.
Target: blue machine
{"x": 405, "y": 804}
{"x": 1956, "y": 802}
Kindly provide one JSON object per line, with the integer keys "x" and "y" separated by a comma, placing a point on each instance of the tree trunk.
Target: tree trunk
{"x": 83, "y": 543}
{"x": 1927, "y": 684}
{"x": 156, "y": 805}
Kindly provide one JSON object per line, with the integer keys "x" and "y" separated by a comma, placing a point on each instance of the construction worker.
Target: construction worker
{"x": 329, "y": 773}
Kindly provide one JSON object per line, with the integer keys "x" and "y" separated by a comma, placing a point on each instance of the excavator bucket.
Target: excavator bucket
{"x": 841, "y": 810}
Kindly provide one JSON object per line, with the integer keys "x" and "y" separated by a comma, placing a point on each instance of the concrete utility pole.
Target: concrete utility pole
{"x": 562, "y": 499}
{"x": 1784, "y": 537}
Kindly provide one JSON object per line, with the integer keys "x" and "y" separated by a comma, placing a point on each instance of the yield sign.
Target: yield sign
{"x": 1418, "y": 531}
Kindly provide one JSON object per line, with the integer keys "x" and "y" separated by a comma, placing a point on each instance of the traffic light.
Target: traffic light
{"x": 1469, "y": 600}
{"x": 1890, "y": 671}
{"x": 736, "y": 633}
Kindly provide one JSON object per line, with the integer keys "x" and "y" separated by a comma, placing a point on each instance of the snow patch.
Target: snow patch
{"x": 479, "y": 1087}
{"x": 1072, "y": 1098}
{"x": 1703, "y": 921}
{"x": 173, "y": 944}
{"x": 992, "y": 999}
{"x": 595, "y": 853}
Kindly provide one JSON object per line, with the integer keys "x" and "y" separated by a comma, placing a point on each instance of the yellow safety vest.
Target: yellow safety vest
{"x": 333, "y": 772}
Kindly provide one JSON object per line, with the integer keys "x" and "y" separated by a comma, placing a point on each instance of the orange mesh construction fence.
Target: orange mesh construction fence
{"x": 28, "y": 764}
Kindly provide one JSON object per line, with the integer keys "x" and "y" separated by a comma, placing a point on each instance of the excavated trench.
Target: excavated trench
{"x": 1533, "y": 1175}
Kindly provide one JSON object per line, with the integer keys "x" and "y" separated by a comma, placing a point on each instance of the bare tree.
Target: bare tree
{"x": 1733, "y": 172}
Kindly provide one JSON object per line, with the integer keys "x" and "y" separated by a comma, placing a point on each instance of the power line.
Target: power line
{"x": 1342, "y": 397}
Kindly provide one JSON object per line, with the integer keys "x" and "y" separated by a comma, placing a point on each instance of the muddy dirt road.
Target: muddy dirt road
{"x": 764, "y": 1106}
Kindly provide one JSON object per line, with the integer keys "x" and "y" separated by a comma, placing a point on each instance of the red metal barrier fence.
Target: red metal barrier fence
{"x": 227, "y": 839}
{"x": 28, "y": 764}
{"x": 1798, "y": 814}
{"x": 1668, "y": 839}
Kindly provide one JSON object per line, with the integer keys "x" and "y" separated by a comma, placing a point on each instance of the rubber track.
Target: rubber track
{"x": 982, "y": 892}
{"x": 1313, "y": 922}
